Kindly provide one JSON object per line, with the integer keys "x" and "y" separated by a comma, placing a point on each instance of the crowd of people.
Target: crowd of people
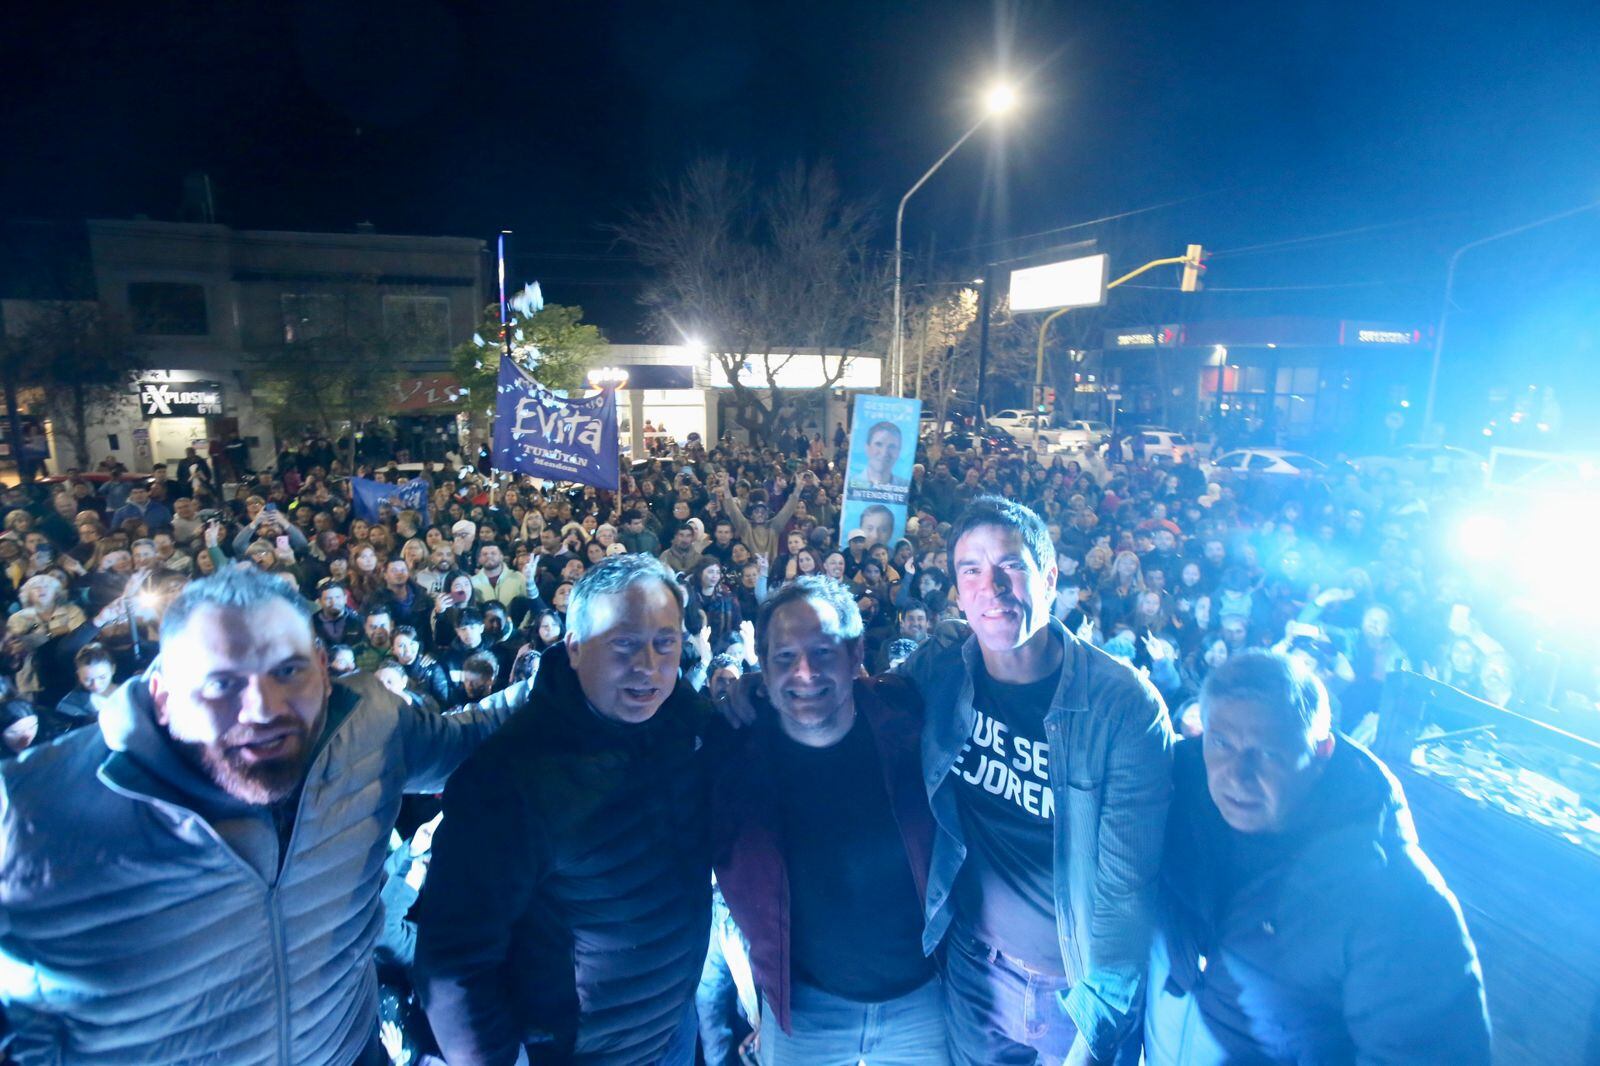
{"x": 1131, "y": 591}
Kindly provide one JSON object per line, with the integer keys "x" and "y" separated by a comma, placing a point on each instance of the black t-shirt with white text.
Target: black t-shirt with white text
{"x": 1005, "y": 892}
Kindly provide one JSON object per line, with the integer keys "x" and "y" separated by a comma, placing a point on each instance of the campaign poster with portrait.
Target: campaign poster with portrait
{"x": 883, "y": 447}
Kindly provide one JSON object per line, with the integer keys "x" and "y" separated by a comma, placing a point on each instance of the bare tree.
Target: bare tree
{"x": 759, "y": 277}
{"x": 941, "y": 347}
{"x": 82, "y": 355}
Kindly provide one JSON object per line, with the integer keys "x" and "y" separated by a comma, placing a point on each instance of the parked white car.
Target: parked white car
{"x": 1167, "y": 442}
{"x": 1020, "y": 425}
{"x": 1081, "y": 435}
{"x": 1427, "y": 462}
{"x": 1014, "y": 417}
{"x": 1250, "y": 462}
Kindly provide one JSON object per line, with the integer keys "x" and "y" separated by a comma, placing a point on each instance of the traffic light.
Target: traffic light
{"x": 1049, "y": 396}
{"x": 1193, "y": 267}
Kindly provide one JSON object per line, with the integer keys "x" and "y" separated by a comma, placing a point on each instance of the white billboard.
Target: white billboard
{"x": 1069, "y": 283}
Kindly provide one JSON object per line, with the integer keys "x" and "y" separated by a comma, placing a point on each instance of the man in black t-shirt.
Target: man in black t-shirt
{"x": 821, "y": 837}
{"x": 1047, "y": 764}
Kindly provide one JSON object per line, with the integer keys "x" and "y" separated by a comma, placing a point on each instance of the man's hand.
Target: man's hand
{"x": 422, "y": 839}
{"x": 738, "y": 705}
{"x": 747, "y": 638}
{"x": 394, "y": 1043}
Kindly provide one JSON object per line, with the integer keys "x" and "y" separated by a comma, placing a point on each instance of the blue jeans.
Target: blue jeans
{"x": 831, "y": 1031}
{"x": 722, "y": 1024}
{"x": 1001, "y": 1012}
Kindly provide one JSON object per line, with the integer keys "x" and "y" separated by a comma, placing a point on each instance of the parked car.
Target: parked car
{"x": 1081, "y": 435}
{"x": 992, "y": 439}
{"x": 1013, "y": 417}
{"x": 1426, "y": 462}
{"x": 1256, "y": 462}
{"x": 1154, "y": 441}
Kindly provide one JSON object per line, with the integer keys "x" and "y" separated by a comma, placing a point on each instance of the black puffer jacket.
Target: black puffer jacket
{"x": 572, "y": 867}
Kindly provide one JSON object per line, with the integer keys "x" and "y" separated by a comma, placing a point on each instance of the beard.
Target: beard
{"x": 257, "y": 781}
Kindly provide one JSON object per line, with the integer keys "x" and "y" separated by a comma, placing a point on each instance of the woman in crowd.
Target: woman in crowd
{"x": 709, "y": 593}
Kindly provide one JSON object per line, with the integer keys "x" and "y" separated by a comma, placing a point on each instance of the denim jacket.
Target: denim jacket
{"x": 1110, "y": 770}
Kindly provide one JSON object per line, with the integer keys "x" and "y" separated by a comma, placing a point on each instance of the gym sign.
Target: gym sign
{"x": 180, "y": 399}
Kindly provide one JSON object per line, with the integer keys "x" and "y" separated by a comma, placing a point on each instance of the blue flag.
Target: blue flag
{"x": 537, "y": 432}
{"x": 371, "y": 495}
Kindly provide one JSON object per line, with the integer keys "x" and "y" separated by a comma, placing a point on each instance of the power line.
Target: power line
{"x": 1090, "y": 222}
{"x": 1316, "y": 238}
{"x": 1293, "y": 288}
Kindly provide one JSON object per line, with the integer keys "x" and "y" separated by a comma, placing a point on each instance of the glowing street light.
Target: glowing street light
{"x": 608, "y": 377}
{"x": 998, "y": 100}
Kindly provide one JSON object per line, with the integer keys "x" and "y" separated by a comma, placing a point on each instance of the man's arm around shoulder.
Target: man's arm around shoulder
{"x": 435, "y": 744}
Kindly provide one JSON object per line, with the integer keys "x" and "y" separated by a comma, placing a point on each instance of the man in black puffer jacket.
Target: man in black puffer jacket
{"x": 568, "y": 906}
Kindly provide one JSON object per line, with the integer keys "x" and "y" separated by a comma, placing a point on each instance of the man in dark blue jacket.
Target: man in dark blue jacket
{"x": 568, "y": 905}
{"x": 1299, "y": 920}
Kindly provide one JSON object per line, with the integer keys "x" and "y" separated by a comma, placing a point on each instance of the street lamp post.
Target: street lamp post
{"x": 1449, "y": 298}
{"x": 997, "y": 101}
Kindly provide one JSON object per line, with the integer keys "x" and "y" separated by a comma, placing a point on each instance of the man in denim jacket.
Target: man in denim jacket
{"x": 1047, "y": 764}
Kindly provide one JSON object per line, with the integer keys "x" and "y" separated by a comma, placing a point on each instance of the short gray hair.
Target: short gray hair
{"x": 814, "y": 588}
{"x": 1276, "y": 681}
{"x": 236, "y": 588}
{"x": 610, "y": 577}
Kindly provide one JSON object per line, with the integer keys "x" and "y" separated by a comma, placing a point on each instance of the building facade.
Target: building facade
{"x": 211, "y": 309}
{"x": 1285, "y": 380}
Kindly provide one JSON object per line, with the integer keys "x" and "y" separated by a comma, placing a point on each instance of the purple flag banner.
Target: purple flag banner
{"x": 537, "y": 432}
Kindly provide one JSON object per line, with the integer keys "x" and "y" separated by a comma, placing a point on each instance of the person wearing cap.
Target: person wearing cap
{"x": 682, "y": 556}
{"x": 462, "y": 537}
{"x": 855, "y": 550}
{"x": 760, "y": 531}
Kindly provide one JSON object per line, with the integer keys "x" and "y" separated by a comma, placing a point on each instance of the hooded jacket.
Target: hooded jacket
{"x": 568, "y": 906}
{"x": 148, "y": 917}
{"x": 1334, "y": 943}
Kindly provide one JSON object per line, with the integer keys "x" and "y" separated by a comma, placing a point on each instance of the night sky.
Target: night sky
{"x": 1373, "y": 137}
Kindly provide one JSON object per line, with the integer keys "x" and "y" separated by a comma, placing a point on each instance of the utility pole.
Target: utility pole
{"x": 1449, "y": 293}
{"x": 984, "y": 301}
{"x": 505, "y": 309}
